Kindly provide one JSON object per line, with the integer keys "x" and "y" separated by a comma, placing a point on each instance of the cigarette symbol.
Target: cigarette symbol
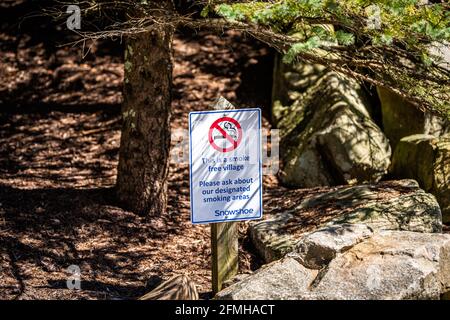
{"x": 230, "y": 129}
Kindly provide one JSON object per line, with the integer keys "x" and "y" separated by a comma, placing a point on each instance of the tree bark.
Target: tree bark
{"x": 145, "y": 142}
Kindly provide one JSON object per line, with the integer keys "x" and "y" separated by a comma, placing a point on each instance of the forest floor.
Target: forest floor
{"x": 60, "y": 126}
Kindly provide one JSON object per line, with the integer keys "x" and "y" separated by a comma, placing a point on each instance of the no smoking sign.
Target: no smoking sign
{"x": 225, "y": 134}
{"x": 225, "y": 165}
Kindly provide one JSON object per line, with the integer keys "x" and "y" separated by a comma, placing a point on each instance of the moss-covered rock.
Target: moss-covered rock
{"x": 401, "y": 118}
{"x": 327, "y": 134}
{"x": 426, "y": 159}
{"x": 290, "y": 82}
{"x": 392, "y": 205}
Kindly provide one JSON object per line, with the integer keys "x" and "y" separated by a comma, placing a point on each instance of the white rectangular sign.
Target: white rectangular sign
{"x": 225, "y": 165}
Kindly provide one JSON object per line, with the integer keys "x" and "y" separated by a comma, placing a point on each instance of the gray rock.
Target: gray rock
{"x": 416, "y": 211}
{"x": 327, "y": 134}
{"x": 316, "y": 249}
{"x": 431, "y": 166}
{"x": 442, "y": 52}
{"x": 401, "y": 119}
{"x": 237, "y": 278}
{"x": 388, "y": 265}
{"x": 283, "y": 279}
{"x": 269, "y": 237}
{"x": 393, "y": 205}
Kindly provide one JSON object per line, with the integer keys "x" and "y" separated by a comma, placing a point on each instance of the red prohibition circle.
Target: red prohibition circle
{"x": 234, "y": 142}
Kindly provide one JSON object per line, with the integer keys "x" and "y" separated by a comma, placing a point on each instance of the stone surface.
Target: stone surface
{"x": 237, "y": 278}
{"x": 401, "y": 119}
{"x": 393, "y": 205}
{"x": 442, "y": 51}
{"x": 390, "y": 265}
{"x": 387, "y": 265}
{"x": 284, "y": 279}
{"x": 426, "y": 159}
{"x": 316, "y": 249}
{"x": 290, "y": 82}
{"x": 327, "y": 134}
{"x": 269, "y": 238}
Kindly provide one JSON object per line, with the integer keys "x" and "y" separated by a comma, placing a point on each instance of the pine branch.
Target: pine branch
{"x": 301, "y": 32}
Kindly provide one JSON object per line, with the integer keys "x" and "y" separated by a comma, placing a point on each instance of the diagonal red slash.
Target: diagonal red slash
{"x": 215, "y": 126}
{"x": 225, "y": 134}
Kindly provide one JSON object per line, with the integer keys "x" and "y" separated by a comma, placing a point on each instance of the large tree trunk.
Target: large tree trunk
{"x": 145, "y": 142}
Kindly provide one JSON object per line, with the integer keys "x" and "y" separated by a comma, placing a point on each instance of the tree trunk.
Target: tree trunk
{"x": 144, "y": 147}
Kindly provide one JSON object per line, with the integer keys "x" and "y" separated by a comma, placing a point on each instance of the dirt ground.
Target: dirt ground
{"x": 60, "y": 126}
{"x": 59, "y": 137}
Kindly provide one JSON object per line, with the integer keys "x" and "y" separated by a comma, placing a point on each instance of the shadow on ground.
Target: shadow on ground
{"x": 59, "y": 138}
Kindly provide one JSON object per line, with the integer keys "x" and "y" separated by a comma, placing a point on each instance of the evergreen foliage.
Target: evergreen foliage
{"x": 389, "y": 42}
{"x": 386, "y": 43}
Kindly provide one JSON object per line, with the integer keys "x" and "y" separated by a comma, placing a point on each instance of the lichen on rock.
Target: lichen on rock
{"x": 327, "y": 134}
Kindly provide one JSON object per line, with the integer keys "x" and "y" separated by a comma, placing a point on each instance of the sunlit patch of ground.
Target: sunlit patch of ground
{"x": 59, "y": 138}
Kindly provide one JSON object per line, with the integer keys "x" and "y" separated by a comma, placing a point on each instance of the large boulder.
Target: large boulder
{"x": 290, "y": 83}
{"x": 316, "y": 249}
{"x": 390, "y": 265}
{"x": 393, "y": 205}
{"x": 426, "y": 159}
{"x": 327, "y": 134}
{"x": 386, "y": 265}
{"x": 401, "y": 118}
{"x": 281, "y": 280}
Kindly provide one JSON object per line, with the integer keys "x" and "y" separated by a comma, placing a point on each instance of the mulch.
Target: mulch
{"x": 60, "y": 124}
{"x": 59, "y": 137}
